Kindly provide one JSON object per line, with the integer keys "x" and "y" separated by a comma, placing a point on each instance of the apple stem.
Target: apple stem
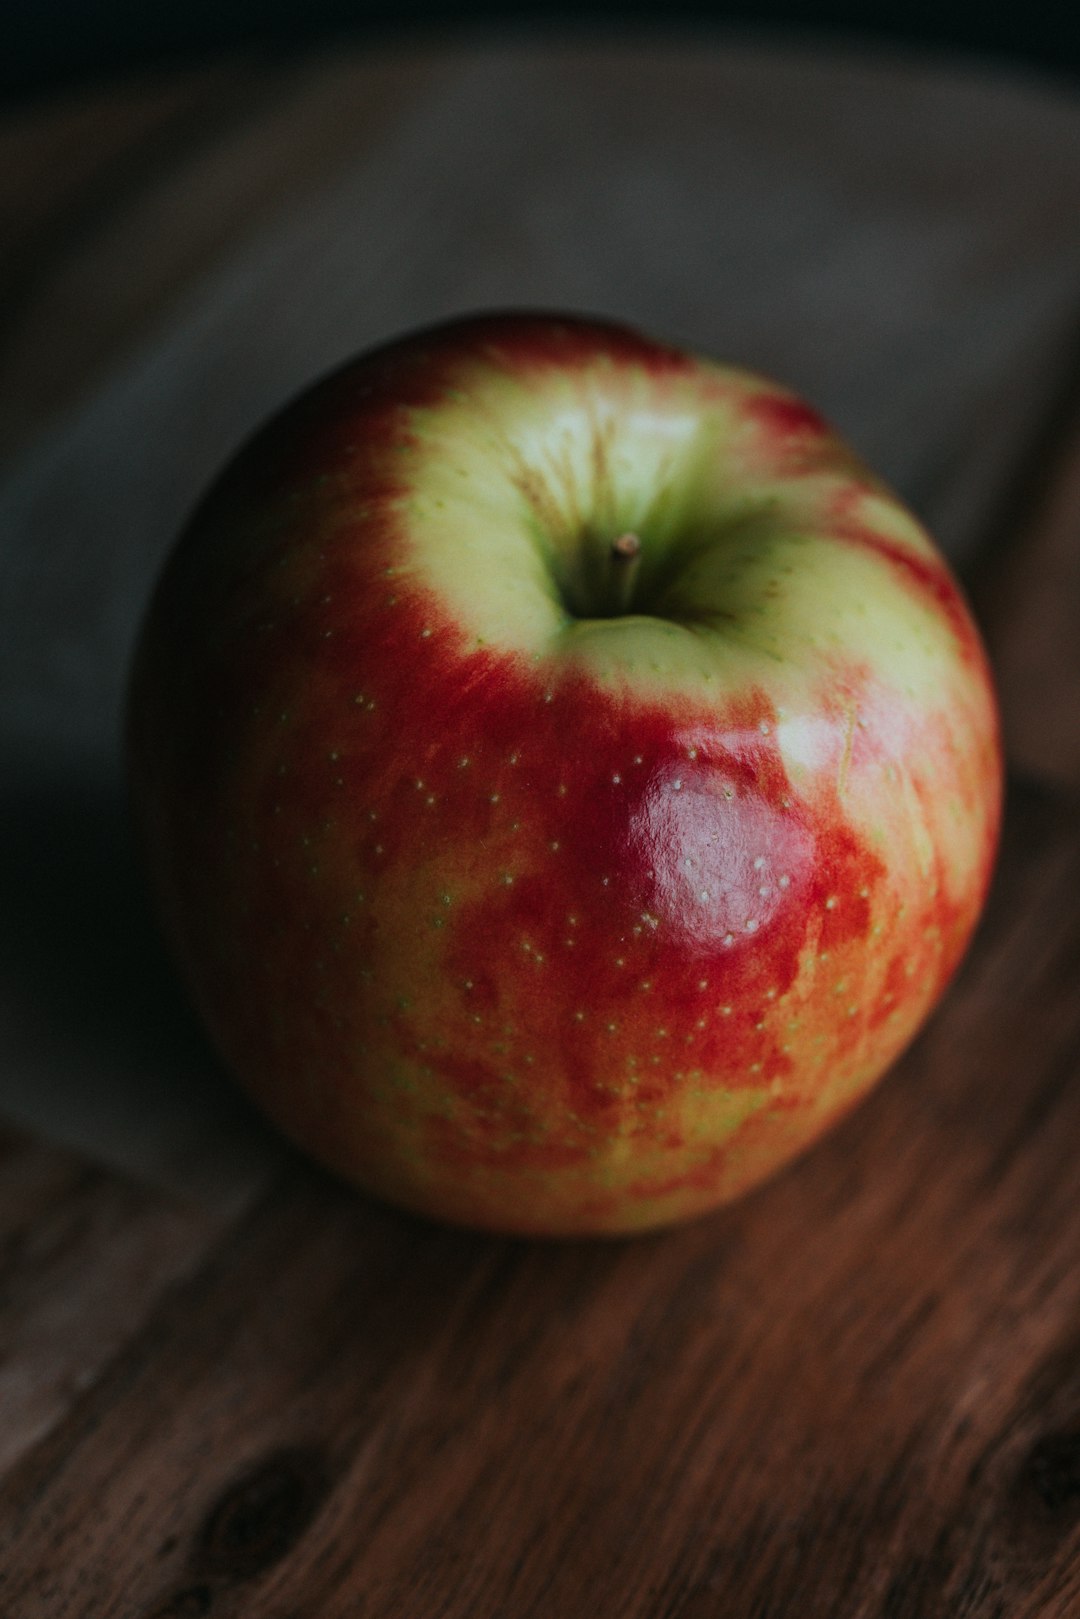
{"x": 624, "y": 563}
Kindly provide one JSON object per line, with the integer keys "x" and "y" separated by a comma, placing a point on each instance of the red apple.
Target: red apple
{"x": 568, "y": 776}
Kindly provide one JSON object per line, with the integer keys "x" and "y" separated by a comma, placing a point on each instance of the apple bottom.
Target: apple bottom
{"x": 727, "y": 1143}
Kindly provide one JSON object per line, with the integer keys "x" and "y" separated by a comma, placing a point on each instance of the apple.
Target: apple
{"x": 569, "y": 778}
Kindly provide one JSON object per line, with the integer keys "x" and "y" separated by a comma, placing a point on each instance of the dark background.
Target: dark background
{"x": 48, "y": 44}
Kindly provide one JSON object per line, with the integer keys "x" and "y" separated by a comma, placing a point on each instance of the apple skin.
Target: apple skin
{"x": 519, "y": 912}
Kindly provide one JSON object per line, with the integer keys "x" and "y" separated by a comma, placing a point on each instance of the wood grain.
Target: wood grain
{"x": 84, "y": 1257}
{"x": 857, "y": 1392}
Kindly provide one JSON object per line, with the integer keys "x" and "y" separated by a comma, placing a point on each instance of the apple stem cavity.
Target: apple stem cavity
{"x": 624, "y": 565}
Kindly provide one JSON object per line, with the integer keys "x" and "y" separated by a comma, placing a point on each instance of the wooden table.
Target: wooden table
{"x": 230, "y": 1386}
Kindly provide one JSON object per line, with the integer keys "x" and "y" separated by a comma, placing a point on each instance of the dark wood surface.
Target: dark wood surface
{"x": 232, "y": 1387}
